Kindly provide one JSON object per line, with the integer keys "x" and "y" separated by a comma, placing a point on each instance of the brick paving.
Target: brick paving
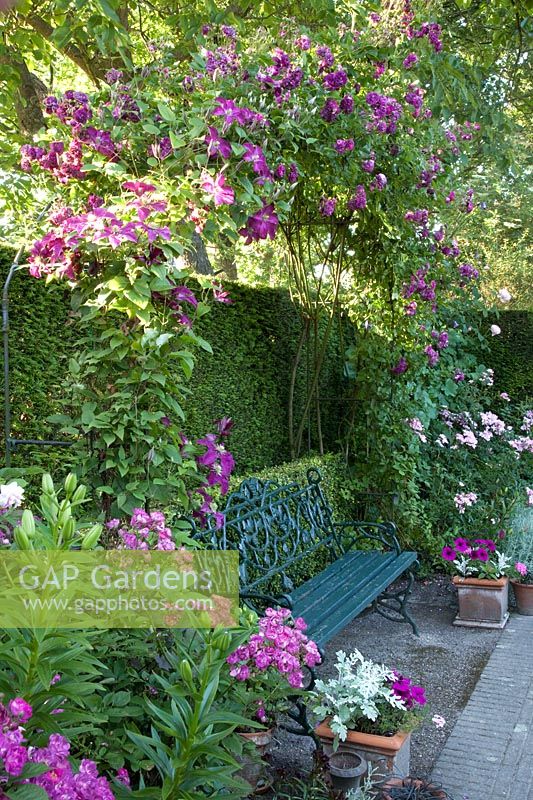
{"x": 489, "y": 753}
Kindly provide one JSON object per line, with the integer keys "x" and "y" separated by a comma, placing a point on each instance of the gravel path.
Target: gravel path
{"x": 446, "y": 660}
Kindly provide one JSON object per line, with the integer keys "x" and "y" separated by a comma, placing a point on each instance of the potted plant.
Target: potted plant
{"x": 346, "y": 770}
{"x": 369, "y": 709}
{"x": 522, "y": 583}
{"x": 268, "y": 671}
{"x": 481, "y": 580}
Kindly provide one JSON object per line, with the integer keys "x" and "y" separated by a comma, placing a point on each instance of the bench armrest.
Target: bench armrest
{"x": 348, "y": 534}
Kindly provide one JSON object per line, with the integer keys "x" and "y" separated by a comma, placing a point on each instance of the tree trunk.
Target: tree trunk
{"x": 91, "y": 66}
{"x": 227, "y": 262}
{"x": 28, "y": 94}
{"x": 196, "y": 257}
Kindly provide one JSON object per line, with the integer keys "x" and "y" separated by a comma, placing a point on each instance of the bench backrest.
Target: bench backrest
{"x": 273, "y": 526}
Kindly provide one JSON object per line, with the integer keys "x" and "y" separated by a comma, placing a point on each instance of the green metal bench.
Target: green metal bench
{"x": 276, "y": 529}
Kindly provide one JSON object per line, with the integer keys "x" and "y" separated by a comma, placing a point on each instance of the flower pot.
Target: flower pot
{"x": 346, "y": 769}
{"x": 412, "y": 784}
{"x": 482, "y": 603}
{"x": 523, "y": 594}
{"x": 384, "y": 755}
{"x": 253, "y": 769}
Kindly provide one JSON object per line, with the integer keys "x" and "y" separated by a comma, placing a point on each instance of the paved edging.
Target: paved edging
{"x": 489, "y": 753}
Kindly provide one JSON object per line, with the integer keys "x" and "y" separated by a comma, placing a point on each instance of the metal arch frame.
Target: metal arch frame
{"x": 10, "y": 442}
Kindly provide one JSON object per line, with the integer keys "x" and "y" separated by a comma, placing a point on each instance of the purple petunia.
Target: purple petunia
{"x": 448, "y": 553}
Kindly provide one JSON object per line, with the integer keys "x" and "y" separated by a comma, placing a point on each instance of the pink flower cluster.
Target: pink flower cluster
{"x": 57, "y": 252}
{"x": 280, "y": 645}
{"x": 523, "y": 444}
{"x": 416, "y": 425}
{"x": 464, "y": 501}
{"x": 145, "y": 531}
{"x": 63, "y": 164}
{"x": 59, "y": 781}
{"x": 527, "y": 421}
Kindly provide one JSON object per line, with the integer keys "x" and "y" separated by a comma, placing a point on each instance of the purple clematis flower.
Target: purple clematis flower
{"x": 261, "y": 225}
{"x": 216, "y": 145}
{"x": 218, "y": 189}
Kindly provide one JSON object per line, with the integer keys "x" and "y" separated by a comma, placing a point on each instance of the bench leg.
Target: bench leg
{"x": 393, "y": 605}
{"x": 299, "y": 715}
{"x": 298, "y": 712}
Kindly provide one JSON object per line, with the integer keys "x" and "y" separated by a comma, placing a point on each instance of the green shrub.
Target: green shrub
{"x": 510, "y": 353}
{"x": 254, "y": 342}
{"x": 334, "y": 475}
{"x": 41, "y": 341}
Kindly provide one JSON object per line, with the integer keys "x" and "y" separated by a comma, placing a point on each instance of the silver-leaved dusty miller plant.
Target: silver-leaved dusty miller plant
{"x": 355, "y": 693}
{"x": 499, "y": 563}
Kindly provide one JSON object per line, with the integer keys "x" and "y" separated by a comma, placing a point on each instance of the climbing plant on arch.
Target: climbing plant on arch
{"x": 330, "y": 141}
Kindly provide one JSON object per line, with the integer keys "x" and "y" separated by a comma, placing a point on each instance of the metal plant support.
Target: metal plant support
{"x": 10, "y": 442}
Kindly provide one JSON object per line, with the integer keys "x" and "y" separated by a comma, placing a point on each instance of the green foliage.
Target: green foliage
{"x": 254, "y": 344}
{"x": 387, "y": 456}
{"x": 54, "y": 527}
{"x": 129, "y": 660}
{"x": 38, "y": 316}
{"x": 254, "y": 341}
{"x": 334, "y": 474}
{"x": 192, "y": 735}
{"x": 510, "y": 354}
{"x": 29, "y": 661}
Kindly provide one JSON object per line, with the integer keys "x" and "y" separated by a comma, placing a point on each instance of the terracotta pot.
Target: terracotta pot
{"x": 482, "y": 603}
{"x": 384, "y": 754}
{"x": 253, "y": 769}
{"x": 346, "y": 770}
{"x": 523, "y": 594}
{"x": 438, "y": 794}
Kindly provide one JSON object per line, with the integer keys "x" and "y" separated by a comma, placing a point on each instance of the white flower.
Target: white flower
{"x": 11, "y": 495}
{"x": 504, "y": 295}
{"x": 495, "y": 330}
{"x": 438, "y": 721}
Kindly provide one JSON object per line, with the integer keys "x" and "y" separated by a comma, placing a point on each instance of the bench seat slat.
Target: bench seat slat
{"x": 328, "y": 607}
{"x": 349, "y": 570}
